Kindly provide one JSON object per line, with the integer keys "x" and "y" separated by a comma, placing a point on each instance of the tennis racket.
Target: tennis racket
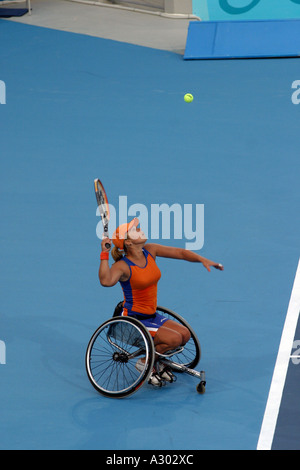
{"x": 102, "y": 202}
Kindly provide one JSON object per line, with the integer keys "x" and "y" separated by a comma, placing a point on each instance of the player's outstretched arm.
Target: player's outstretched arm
{"x": 181, "y": 253}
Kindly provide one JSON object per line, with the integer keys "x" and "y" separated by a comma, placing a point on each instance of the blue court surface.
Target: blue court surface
{"x": 78, "y": 108}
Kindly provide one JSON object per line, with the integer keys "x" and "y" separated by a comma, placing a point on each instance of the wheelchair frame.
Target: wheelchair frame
{"x": 115, "y": 346}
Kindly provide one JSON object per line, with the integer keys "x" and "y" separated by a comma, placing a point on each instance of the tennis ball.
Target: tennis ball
{"x": 188, "y": 98}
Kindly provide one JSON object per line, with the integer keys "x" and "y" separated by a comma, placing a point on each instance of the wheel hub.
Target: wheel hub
{"x": 120, "y": 357}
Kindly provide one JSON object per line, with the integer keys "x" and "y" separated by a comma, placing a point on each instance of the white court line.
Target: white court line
{"x": 286, "y": 344}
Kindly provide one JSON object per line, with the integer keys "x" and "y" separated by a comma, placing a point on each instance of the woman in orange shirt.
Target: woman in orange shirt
{"x": 137, "y": 272}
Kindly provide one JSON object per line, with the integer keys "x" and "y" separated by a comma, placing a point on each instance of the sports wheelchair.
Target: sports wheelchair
{"x": 119, "y": 342}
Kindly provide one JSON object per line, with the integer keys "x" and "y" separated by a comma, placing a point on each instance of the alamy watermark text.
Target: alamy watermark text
{"x": 296, "y": 94}
{"x": 2, "y": 352}
{"x": 295, "y": 357}
{"x": 162, "y": 221}
{"x": 2, "y": 92}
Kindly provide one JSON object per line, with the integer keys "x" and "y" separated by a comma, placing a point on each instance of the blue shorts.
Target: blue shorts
{"x": 151, "y": 322}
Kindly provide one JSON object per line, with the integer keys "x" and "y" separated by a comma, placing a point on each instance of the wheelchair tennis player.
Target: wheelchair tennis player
{"x": 138, "y": 274}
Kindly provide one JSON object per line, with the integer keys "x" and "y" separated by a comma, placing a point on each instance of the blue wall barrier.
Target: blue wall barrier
{"x": 222, "y": 10}
{"x": 243, "y": 39}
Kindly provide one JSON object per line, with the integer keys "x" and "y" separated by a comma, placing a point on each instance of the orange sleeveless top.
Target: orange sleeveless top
{"x": 140, "y": 290}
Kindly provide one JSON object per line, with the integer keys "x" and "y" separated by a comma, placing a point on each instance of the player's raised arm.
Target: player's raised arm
{"x": 181, "y": 253}
{"x": 110, "y": 276}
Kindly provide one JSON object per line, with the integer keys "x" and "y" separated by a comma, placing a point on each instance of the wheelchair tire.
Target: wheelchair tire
{"x": 112, "y": 353}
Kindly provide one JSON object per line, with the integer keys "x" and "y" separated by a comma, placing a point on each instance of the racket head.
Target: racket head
{"x": 102, "y": 201}
{"x": 103, "y": 206}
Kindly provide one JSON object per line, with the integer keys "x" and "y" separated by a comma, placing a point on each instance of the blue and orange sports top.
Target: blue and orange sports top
{"x": 140, "y": 290}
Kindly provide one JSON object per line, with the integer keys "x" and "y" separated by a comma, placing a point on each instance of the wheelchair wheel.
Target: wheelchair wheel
{"x": 191, "y": 354}
{"x": 112, "y": 353}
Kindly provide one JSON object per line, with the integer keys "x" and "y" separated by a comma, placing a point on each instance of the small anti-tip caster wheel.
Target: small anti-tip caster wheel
{"x": 201, "y": 387}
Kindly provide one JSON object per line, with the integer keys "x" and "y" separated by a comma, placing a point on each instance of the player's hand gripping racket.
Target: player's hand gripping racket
{"x": 102, "y": 202}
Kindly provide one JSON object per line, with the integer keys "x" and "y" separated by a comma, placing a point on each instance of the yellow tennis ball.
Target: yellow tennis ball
{"x": 188, "y": 98}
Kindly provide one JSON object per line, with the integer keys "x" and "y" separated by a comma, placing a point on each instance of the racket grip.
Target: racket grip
{"x": 107, "y": 245}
